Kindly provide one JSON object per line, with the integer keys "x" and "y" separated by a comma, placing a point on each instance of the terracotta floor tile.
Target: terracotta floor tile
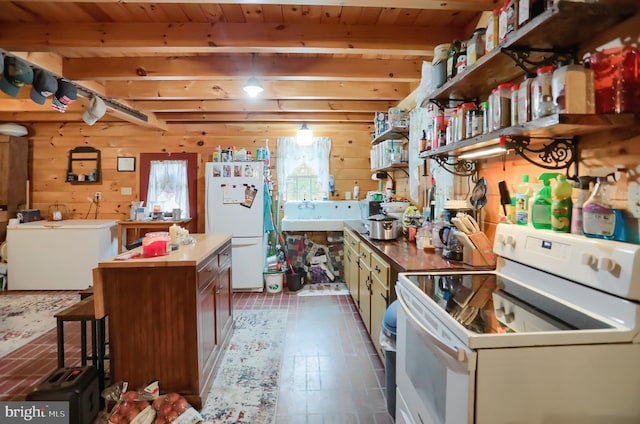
{"x": 330, "y": 371}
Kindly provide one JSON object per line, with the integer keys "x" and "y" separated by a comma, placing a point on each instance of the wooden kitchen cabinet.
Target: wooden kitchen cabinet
{"x": 364, "y": 288}
{"x": 170, "y": 317}
{"x": 380, "y": 271}
{"x": 352, "y": 266}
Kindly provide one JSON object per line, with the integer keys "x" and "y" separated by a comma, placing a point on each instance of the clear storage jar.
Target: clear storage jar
{"x": 514, "y": 104}
{"x": 476, "y": 46}
{"x": 464, "y": 121}
{"x": 502, "y": 102}
{"x": 439, "y": 65}
{"x": 540, "y": 88}
{"x": 572, "y": 89}
{"x": 486, "y": 117}
{"x": 492, "y": 34}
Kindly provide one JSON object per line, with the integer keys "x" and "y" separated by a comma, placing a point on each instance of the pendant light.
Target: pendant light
{"x": 253, "y": 87}
{"x": 304, "y": 137}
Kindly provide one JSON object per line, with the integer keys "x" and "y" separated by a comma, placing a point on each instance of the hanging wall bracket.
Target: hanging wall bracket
{"x": 559, "y": 153}
{"x": 523, "y": 58}
{"x": 455, "y": 166}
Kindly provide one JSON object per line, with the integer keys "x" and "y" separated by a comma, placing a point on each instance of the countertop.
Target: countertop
{"x": 404, "y": 256}
{"x": 65, "y": 224}
{"x": 186, "y": 255}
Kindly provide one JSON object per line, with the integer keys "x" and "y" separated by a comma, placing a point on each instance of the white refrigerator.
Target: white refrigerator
{"x": 235, "y": 203}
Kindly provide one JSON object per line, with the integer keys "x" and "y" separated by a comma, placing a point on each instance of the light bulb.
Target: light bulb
{"x": 253, "y": 87}
{"x": 304, "y": 136}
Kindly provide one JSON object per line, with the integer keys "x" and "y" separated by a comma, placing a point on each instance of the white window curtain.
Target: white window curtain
{"x": 168, "y": 186}
{"x": 292, "y": 156}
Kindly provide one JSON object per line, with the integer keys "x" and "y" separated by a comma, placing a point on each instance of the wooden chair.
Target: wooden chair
{"x": 89, "y": 309}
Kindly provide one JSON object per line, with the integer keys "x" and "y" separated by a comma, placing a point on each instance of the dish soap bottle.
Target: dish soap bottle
{"x": 541, "y": 206}
{"x": 598, "y": 218}
{"x": 576, "y": 212}
{"x": 523, "y": 194}
{"x": 561, "y": 206}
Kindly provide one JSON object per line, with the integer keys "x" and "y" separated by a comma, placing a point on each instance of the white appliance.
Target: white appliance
{"x": 551, "y": 336}
{"x": 234, "y": 204}
{"x": 58, "y": 255}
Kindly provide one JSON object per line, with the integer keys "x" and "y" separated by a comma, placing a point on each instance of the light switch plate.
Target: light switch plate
{"x": 125, "y": 191}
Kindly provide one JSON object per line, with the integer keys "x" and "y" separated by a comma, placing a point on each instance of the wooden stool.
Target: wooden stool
{"x": 83, "y": 312}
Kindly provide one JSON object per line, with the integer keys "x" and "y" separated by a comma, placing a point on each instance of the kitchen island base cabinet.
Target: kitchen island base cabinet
{"x": 169, "y": 320}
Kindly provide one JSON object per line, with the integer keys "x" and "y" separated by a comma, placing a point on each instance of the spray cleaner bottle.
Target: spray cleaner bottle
{"x": 576, "y": 211}
{"x": 561, "y": 207}
{"x": 598, "y": 217}
{"x": 523, "y": 194}
{"x": 541, "y": 206}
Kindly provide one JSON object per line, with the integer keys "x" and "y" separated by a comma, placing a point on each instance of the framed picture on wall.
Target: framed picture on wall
{"x": 126, "y": 164}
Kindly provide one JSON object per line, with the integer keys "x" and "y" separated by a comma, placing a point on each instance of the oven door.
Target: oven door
{"x": 435, "y": 371}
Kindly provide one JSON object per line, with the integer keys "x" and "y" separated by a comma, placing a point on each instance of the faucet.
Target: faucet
{"x": 306, "y": 204}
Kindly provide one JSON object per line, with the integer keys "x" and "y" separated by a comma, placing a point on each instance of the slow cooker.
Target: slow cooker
{"x": 383, "y": 227}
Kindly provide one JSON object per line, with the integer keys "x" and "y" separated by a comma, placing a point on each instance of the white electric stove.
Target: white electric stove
{"x": 550, "y": 337}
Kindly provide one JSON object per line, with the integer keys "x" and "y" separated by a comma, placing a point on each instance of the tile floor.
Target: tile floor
{"x": 330, "y": 371}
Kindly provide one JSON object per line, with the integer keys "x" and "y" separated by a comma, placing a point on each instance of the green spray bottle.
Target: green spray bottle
{"x": 541, "y": 206}
{"x": 561, "y": 206}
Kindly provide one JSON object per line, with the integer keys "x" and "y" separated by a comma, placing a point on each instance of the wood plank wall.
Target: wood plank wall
{"x": 51, "y": 142}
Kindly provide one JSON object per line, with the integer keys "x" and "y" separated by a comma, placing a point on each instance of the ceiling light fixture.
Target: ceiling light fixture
{"x": 304, "y": 135}
{"x": 253, "y": 87}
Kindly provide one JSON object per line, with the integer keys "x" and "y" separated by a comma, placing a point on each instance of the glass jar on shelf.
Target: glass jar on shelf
{"x": 476, "y": 46}
{"x": 541, "y": 87}
{"x": 502, "y": 114}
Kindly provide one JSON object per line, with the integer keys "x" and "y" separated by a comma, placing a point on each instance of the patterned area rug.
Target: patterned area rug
{"x": 245, "y": 389}
{"x": 25, "y": 317}
{"x": 324, "y": 289}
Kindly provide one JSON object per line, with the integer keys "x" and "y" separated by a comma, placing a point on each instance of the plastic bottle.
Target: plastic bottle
{"x": 332, "y": 187}
{"x": 356, "y": 191}
{"x": 598, "y": 218}
{"x": 541, "y": 206}
{"x": 561, "y": 206}
{"x": 576, "y": 210}
{"x": 523, "y": 194}
{"x": 452, "y": 58}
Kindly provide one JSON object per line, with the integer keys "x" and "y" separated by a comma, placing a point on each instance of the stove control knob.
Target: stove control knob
{"x": 589, "y": 259}
{"x": 508, "y": 318}
{"x": 607, "y": 264}
{"x": 500, "y": 312}
{"x": 511, "y": 241}
{"x": 500, "y": 238}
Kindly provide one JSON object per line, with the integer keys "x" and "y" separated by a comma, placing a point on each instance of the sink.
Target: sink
{"x": 319, "y": 215}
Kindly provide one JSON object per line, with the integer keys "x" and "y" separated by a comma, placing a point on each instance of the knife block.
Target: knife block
{"x": 482, "y": 255}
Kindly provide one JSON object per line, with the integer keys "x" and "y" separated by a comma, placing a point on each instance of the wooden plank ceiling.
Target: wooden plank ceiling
{"x": 186, "y": 61}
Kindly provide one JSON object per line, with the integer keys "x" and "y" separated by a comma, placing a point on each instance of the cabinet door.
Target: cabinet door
{"x": 207, "y": 287}
{"x": 365, "y": 286}
{"x": 379, "y": 304}
{"x": 223, "y": 296}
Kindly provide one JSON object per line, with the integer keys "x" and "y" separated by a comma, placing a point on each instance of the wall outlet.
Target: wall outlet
{"x": 98, "y": 195}
{"x": 634, "y": 199}
{"x": 126, "y": 191}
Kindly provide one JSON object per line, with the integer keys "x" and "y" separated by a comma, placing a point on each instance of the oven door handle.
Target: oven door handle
{"x": 457, "y": 354}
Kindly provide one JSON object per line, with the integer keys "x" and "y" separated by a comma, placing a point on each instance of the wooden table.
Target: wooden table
{"x": 125, "y": 225}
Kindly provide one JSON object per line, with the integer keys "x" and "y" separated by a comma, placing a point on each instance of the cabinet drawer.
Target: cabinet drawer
{"x": 365, "y": 255}
{"x": 380, "y": 269}
{"x": 350, "y": 239}
{"x": 208, "y": 271}
{"x": 224, "y": 258}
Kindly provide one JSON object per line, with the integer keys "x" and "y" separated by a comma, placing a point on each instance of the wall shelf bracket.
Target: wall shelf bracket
{"x": 455, "y": 166}
{"x": 523, "y": 58}
{"x": 445, "y": 103}
{"x": 559, "y": 153}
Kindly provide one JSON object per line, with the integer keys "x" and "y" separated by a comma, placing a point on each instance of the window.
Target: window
{"x": 168, "y": 186}
{"x": 303, "y": 171}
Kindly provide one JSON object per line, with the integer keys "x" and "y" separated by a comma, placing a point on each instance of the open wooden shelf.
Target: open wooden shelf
{"x": 401, "y": 165}
{"x": 393, "y": 133}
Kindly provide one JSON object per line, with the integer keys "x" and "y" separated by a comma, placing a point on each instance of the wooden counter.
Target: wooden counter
{"x": 404, "y": 256}
{"x": 169, "y": 316}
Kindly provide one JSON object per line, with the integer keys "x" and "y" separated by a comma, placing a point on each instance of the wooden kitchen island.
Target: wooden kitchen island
{"x": 169, "y": 317}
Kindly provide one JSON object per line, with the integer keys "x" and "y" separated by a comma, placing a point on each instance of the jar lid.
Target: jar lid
{"x": 515, "y": 87}
{"x": 506, "y": 85}
{"x": 545, "y": 69}
{"x": 468, "y": 104}
{"x": 479, "y": 30}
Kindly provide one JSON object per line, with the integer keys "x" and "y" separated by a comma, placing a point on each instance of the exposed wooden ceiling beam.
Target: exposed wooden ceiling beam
{"x": 268, "y": 117}
{"x": 470, "y": 5}
{"x": 186, "y": 90}
{"x": 239, "y": 67}
{"x": 175, "y": 38}
{"x": 268, "y": 106}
